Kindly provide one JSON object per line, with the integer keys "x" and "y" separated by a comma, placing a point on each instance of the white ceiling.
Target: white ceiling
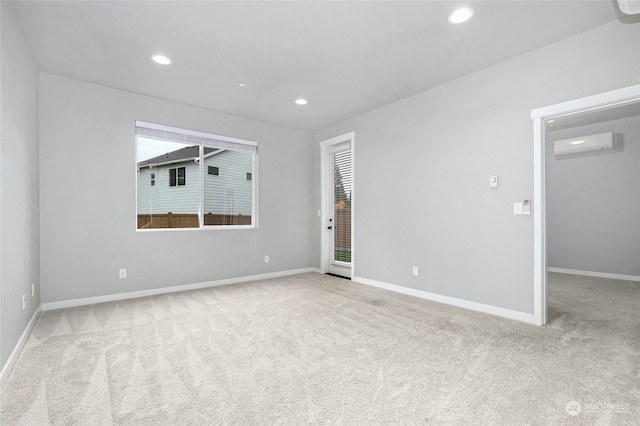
{"x": 344, "y": 57}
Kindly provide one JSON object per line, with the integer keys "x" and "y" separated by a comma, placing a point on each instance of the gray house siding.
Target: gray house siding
{"x": 162, "y": 198}
{"x": 147, "y": 199}
{"x": 229, "y": 193}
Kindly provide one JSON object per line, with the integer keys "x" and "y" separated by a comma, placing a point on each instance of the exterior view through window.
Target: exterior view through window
{"x": 341, "y": 166}
{"x": 190, "y": 179}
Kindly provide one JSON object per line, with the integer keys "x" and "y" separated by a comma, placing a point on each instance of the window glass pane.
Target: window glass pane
{"x": 191, "y": 179}
{"x": 168, "y": 184}
{"x": 228, "y": 197}
{"x": 342, "y": 206}
{"x": 182, "y": 177}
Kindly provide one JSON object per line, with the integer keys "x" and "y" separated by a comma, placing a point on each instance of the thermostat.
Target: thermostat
{"x": 493, "y": 182}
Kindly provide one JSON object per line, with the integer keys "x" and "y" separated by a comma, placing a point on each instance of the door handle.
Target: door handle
{"x": 329, "y": 227}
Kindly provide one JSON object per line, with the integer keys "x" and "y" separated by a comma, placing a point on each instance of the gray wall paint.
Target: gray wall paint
{"x": 593, "y": 202}
{"x": 19, "y": 240}
{"x": 422, "y": 166}
{"x": 88, "y": 206}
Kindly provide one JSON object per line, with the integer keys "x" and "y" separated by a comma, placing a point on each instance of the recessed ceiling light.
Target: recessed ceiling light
{"x": 301, "y": 101}
{"x": 161, "y": 59}
{"x": 241, "y": 84}
{"x": 461, "y": 15}
{"x": 581, "y": 141}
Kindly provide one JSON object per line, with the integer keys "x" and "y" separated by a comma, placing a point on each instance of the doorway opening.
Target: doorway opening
{"x": 337, "y": 205}
{"x": 550, "y": 124}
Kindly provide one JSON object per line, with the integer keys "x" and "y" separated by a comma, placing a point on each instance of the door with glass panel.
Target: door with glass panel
{"x": 339, "y": 206}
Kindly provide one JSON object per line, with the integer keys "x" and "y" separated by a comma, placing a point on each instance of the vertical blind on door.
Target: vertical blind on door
{"x": 341, "y": 172}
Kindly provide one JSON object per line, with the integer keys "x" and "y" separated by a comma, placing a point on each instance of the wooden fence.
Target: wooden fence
{"x": 178, "y": 220}
{"x": 342, "y": 227}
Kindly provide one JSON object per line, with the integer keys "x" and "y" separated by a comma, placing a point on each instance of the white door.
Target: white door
{"x": 338, "y": 208}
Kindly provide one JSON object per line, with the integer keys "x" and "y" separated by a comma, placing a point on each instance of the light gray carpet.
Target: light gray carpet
{"x": 313, "y": 348}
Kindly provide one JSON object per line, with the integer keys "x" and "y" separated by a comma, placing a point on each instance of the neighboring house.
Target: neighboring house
{"x": 170, "y": 183}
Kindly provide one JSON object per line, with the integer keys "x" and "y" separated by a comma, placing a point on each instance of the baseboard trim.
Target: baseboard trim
{"x": 49, "y": 306}
{"x": 461, "y": 303}
{"x": 594, "y": 274}
{"x": 6, "y": 370}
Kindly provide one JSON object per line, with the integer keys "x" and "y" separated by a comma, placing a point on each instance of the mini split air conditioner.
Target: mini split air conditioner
{"x": 630, "y": 7}
{"x": 602, "y": 142}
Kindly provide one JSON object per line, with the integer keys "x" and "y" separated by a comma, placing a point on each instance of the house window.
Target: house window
{"x": 178, "y": 176}
{"x": 185, "y": 196}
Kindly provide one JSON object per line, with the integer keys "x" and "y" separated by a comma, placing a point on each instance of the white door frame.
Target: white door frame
{"x": 609, "y": 99}
{"x": 325, "y": 146}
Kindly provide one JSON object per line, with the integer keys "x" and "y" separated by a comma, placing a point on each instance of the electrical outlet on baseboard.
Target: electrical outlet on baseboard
{"x": 266, "y": 258}
{"x": 122, "y": 273}
{"x": 415, "y": 271}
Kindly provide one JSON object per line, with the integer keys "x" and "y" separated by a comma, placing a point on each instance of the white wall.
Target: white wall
{"x": 422, "y": 166}
{"x": 19, "y": 239}
{"x": 593, "y": 202}
{"x": 88, "y": 213}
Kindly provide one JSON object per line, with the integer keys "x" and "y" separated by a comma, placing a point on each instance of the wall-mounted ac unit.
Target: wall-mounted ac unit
{"x": 601, "y": 142}
{"x": 630, "y": 7}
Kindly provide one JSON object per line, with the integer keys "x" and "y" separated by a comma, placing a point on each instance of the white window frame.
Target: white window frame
{"x": 203, "y": 137}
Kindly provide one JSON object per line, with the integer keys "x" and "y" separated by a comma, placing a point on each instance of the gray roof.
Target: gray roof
{"x": 183, "y": 154}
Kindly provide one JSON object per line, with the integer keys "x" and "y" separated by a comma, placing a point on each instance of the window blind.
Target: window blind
{"x": 192, "y": 137}
{"x": 341, "y": 194}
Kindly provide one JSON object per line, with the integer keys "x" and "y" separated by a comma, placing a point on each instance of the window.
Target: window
{"x": 177, "y": 176}
{"x": 190, "y": 191}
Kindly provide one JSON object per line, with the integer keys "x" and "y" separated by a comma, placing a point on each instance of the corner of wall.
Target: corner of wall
{"x": 19, "y": 188}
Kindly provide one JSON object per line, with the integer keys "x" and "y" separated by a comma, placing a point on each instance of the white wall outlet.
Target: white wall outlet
{"x": 33, "y": 290}
{"x": 415, "y": 271}
{"x": 266, "y": 259}
{"x": 122, "y": 273}
{"x": 517, "y": 208}
{"x": 24, "y": 302}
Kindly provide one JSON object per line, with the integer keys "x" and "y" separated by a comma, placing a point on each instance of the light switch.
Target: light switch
{"x": 517, "y": 208}
{"x": 493, "y": 182}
